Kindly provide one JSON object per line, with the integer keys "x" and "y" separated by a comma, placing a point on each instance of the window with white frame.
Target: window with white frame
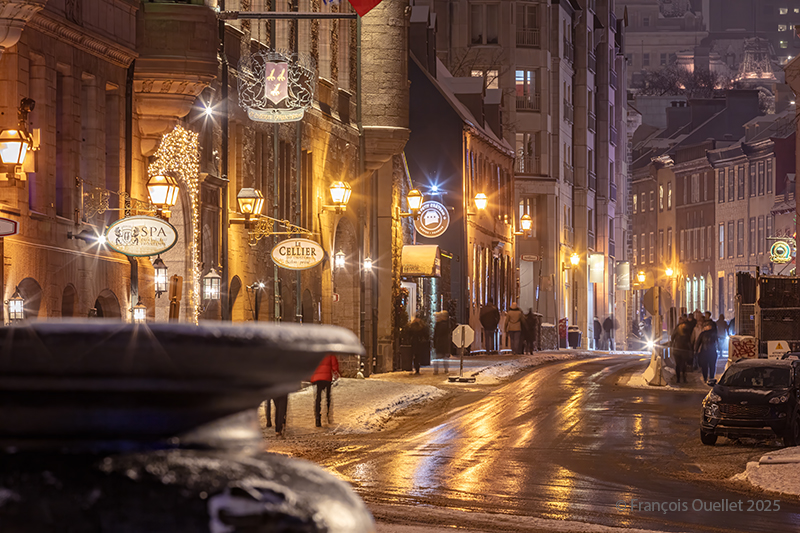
{"x": 669, "y": 245}
{"x": 652, "y": 248}
{"x": 740, "y": 238}
{"x": 722, "y": 241}
{"x": 730, "y": 238}
{"x": 669, "y": 195}
{"x": 491, "y": 78}
{"x": 762, "y": 242}
{"x": 634, "y": 242}
{"x": 484, "y": 23}
{"x": 528, "y": 153}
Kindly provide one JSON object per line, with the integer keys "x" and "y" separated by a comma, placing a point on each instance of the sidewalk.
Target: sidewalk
{"x": 367, "y": 405}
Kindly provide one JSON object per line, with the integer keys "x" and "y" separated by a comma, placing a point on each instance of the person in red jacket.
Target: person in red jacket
{"x": 324, "y": 375}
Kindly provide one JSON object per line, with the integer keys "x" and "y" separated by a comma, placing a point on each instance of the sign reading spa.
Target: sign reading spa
{"x": 141, "y": 236}
{"x": 297, "y": 254}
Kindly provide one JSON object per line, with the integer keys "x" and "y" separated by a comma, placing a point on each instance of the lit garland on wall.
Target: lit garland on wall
{"x": 178, "y": 152}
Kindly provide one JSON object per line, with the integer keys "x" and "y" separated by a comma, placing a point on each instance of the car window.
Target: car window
{"x": 759, "y": 377}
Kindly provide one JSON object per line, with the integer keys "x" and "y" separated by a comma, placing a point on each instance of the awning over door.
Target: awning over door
{"x": 422, "y": 260}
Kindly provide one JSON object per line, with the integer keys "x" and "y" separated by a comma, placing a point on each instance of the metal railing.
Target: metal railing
{"x": 529, "y": 102}
{"x": 569, "y": 112}
{"x": 529, "y": 164}
{"x": 569, "y": 51}
{"x": 592, "y": 122}
{"x": 528, "y": 37}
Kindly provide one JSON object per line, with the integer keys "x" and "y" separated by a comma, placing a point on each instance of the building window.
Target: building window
{"x": 783, "y": 10}
{"x": 642, "y": 202}
{"x": 740, "y": 238}
{"x": 710, "y": 252}
{"x": 730, "y": 238}
{"x": 634, "y": 243}
{"x": 722, "y": 241}
{"x": 740, "y": 182}
{"x": 652, "y": 247}
{"x": 762, "y": 242}
{"x": 652, "y": 200}
{"x": 769, "y": 231}
{"x": 669, "y": 195}
{"x": 695, "y": 188}
{"x": 721, "y": 180}
{"x": 490, "y": 78}
{"x": 645, "y": 60}
{"x": 752, "y": 179}
{"x": 646, "y": 21}
{"x": 642, "y": 243}
{"x": 683, "y": 246}
{"x": 635, "y": 202}
{"x": 663, "y": 60}
{"x": 781, "y": 27}
{"x": 751, "y": 237}
{"x": 701, "y": 254}
{"x": 484, "y": 22}
{"x": 784, "y": 44}
{"x": 660, "y": 197}
{"x": 527, "y": 90}
{"x": 770, "y": 177}
{"x": 528, "y": 153}
{"x": 661, "y": 247}
{"x": 761, "y": 178}
{"x": 731, "y": 185}
{"x": 669, "y": 245}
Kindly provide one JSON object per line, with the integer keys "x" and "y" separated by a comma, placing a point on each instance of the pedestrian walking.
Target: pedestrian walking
{"x": 722, "y": 332}
{"x": 326, "y": 373}
{"x": 281, "y": 404}
{"x": 420, "y": 339}
{"x": 706, "y": 349}
{"x": 608, "y": 328}
{"x": 513, "y": 328}
{"x": 490, "y": 319}
{"x": 682, "y": 349}
{"x": 530, "y": 331}
{"x": 442, "y": 337}
{"x": 597, "y": 331}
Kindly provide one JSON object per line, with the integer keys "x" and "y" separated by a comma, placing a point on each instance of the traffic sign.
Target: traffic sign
{"x": 463, "y": 336}
{"x": 665, "y": 301}
{"x": 8, "y": 227}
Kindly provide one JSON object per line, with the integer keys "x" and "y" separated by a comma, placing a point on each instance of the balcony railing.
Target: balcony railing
{"x": 592, "y": 123}
{"x": 592, "y": 180}
{"x": 568, "y": 173}
{"x": 529, "y": 102}
{"x": 613, "y": 135}
{"x": 569, "y": 112}
{"x": 612, "y": 195}
{"x": 569, "y": 51}
{"x": 528, "y": 37}
{"x": 529, "y": 164}
{"x": 592, "y": 62}
{"x": 612, "y": 79}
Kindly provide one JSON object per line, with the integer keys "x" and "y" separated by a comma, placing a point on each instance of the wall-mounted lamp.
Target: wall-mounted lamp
{"x": 16, "y": 307}
{"x": 368, "y": 264}
{"x": 574, "y": 260}
{"x": 340, "y": 195}
{"x": 669, "y": 272}
{"x": 251, "y": 202}
{"x": 211, "y": 284}
{"x": 15, "y": 144}
{"x": 163, "y": 190}
{"x": 641, "y": 276}
{"x": 526, "y": 224}
{"x": 339, "y": 260}
{"x": 414, "y": 199}
{"x": 160, "y": 278}
{"x": 481, "y": 201}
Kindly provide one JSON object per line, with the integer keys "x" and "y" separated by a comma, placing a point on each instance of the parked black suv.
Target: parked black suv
{"x": 754, "y": 398}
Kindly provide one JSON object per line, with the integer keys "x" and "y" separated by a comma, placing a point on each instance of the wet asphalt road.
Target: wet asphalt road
{"x": 562, "y": 442}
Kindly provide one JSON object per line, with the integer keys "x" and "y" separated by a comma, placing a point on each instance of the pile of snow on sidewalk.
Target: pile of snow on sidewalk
{"x": 777, "y": 471}
{"x": 362, "y": 405}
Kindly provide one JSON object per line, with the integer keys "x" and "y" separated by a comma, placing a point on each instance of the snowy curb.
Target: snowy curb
{"x": 777, "y": 471}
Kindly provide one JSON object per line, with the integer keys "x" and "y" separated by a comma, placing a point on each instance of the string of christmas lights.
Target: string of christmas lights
{"x": 179, "y": 153}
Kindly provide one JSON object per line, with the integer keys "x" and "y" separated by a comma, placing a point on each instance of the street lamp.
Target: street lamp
{"x": 139, "y": 313}
{"x": 16, "y": 307}
{"x": 340, "y": 194}
{"x": 641, "y": 276}
{"x": 669, "y": 272}
{"x": 163, "y": 190}
{"x": 574, "y": 259}
{"x": 251, "y": 202}
{"x": 481, "y": 201}
{"x": 414, "y": 199}
{"x": 368, "y": 264}
{"x": 211, "y": 283}
{"x": 339, "y": 260}
{"x": 160, "y": 278}
{"x": 526, "y": 222}
{"x": 15, "y": 143}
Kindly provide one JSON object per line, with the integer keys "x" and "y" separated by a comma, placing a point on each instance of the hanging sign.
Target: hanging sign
{"x": 8, "y": 227}
{"x": 276, "y": 87}
{"x": 433, "y": 219}
{"x": 141, "y": 236}
{"x": 780, "y": 252}
{"x": 297, "y": 254}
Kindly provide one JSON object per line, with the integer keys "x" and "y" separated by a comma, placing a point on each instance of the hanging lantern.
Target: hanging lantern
{"x": 339, "y": 260}
{"x": 211, "y": 284}
{"x": 251, "y": 202}
{"x": 16, "y": 307}
{"x": 161, "y": 279}
{"x": 368, "y": 264}
{"x": 163, "y": 190}
{"x": 481, "y": 201}
{"x": 526, "y": 222}
{"x": 574, "y": 259}
{"x": 139, "y": 313}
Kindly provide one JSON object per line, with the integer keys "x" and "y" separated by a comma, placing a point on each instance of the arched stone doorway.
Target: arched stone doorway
{"x": 107, "y": 305}
{"x": 31, "y": 293}
{"x": 68, "y": 298}
{"x": 346, "y": 311}
{"x": 233, "y": 295}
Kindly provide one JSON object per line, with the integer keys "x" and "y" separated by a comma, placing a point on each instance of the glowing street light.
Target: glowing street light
{"x": 526, "y": 222}
{"x": 481, "y": 201}
{"x": 211, "y": 285}
{"x": 339, "y": 260}
{"x": 139, "y": 313}
{"x": 574, "y": 259}
{"x": 163, "y": 190}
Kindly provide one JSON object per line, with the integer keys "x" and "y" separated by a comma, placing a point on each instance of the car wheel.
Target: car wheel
{"x": 792, "y": 435}
{"x": 707, "y": 438}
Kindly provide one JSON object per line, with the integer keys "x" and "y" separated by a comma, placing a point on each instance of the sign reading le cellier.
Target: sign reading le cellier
{"x": 141, "y": 236}
{"x": 297, "y": 254}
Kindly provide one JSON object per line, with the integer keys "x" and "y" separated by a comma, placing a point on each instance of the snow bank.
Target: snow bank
{"x": 503, "y": 370}
{"x": 777, "y": 471}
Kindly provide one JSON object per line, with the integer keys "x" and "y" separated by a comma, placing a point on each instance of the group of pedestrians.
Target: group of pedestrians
{"x": 520, "y": 328}
{"x": 418, "y": 336}
{"x": 696, "y": 341}
{"x": 604, "y": 333}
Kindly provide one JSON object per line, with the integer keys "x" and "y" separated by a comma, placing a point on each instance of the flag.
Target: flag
{"x": 363, "y": 7}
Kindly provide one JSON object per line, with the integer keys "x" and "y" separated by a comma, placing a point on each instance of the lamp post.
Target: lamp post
{"x": 574, "y": 260}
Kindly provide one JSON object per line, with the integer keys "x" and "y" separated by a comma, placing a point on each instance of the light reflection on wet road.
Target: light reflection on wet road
{"x": 562, "y": 442}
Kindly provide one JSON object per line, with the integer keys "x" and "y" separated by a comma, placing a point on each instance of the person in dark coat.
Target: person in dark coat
{"x": 681, "y": 349}
{"x": 597, "y": 330}
{"x": 513, "y": 327}
{"x": 490, "y": 319}
{"x": 529, "y": 332}
{"x": 608, "y": 328}
{"x": 281, "y": 405}
{"x": 420, "y": 339}
{"x": 705, "y": 346}
{"x": 442, "y": 337}
{"x": 322, "y": 379}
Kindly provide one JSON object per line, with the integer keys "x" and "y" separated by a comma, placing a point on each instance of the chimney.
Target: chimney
{"x": 492, "y": 108}
{"x": 418, "y": 28}
{"x": 469, "y": 92}
{"x": 678, "y": 115}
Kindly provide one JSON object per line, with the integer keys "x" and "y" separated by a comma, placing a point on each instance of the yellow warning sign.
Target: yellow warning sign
{"x": 779, "y": 346}
{"x": 776, "y": 349}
